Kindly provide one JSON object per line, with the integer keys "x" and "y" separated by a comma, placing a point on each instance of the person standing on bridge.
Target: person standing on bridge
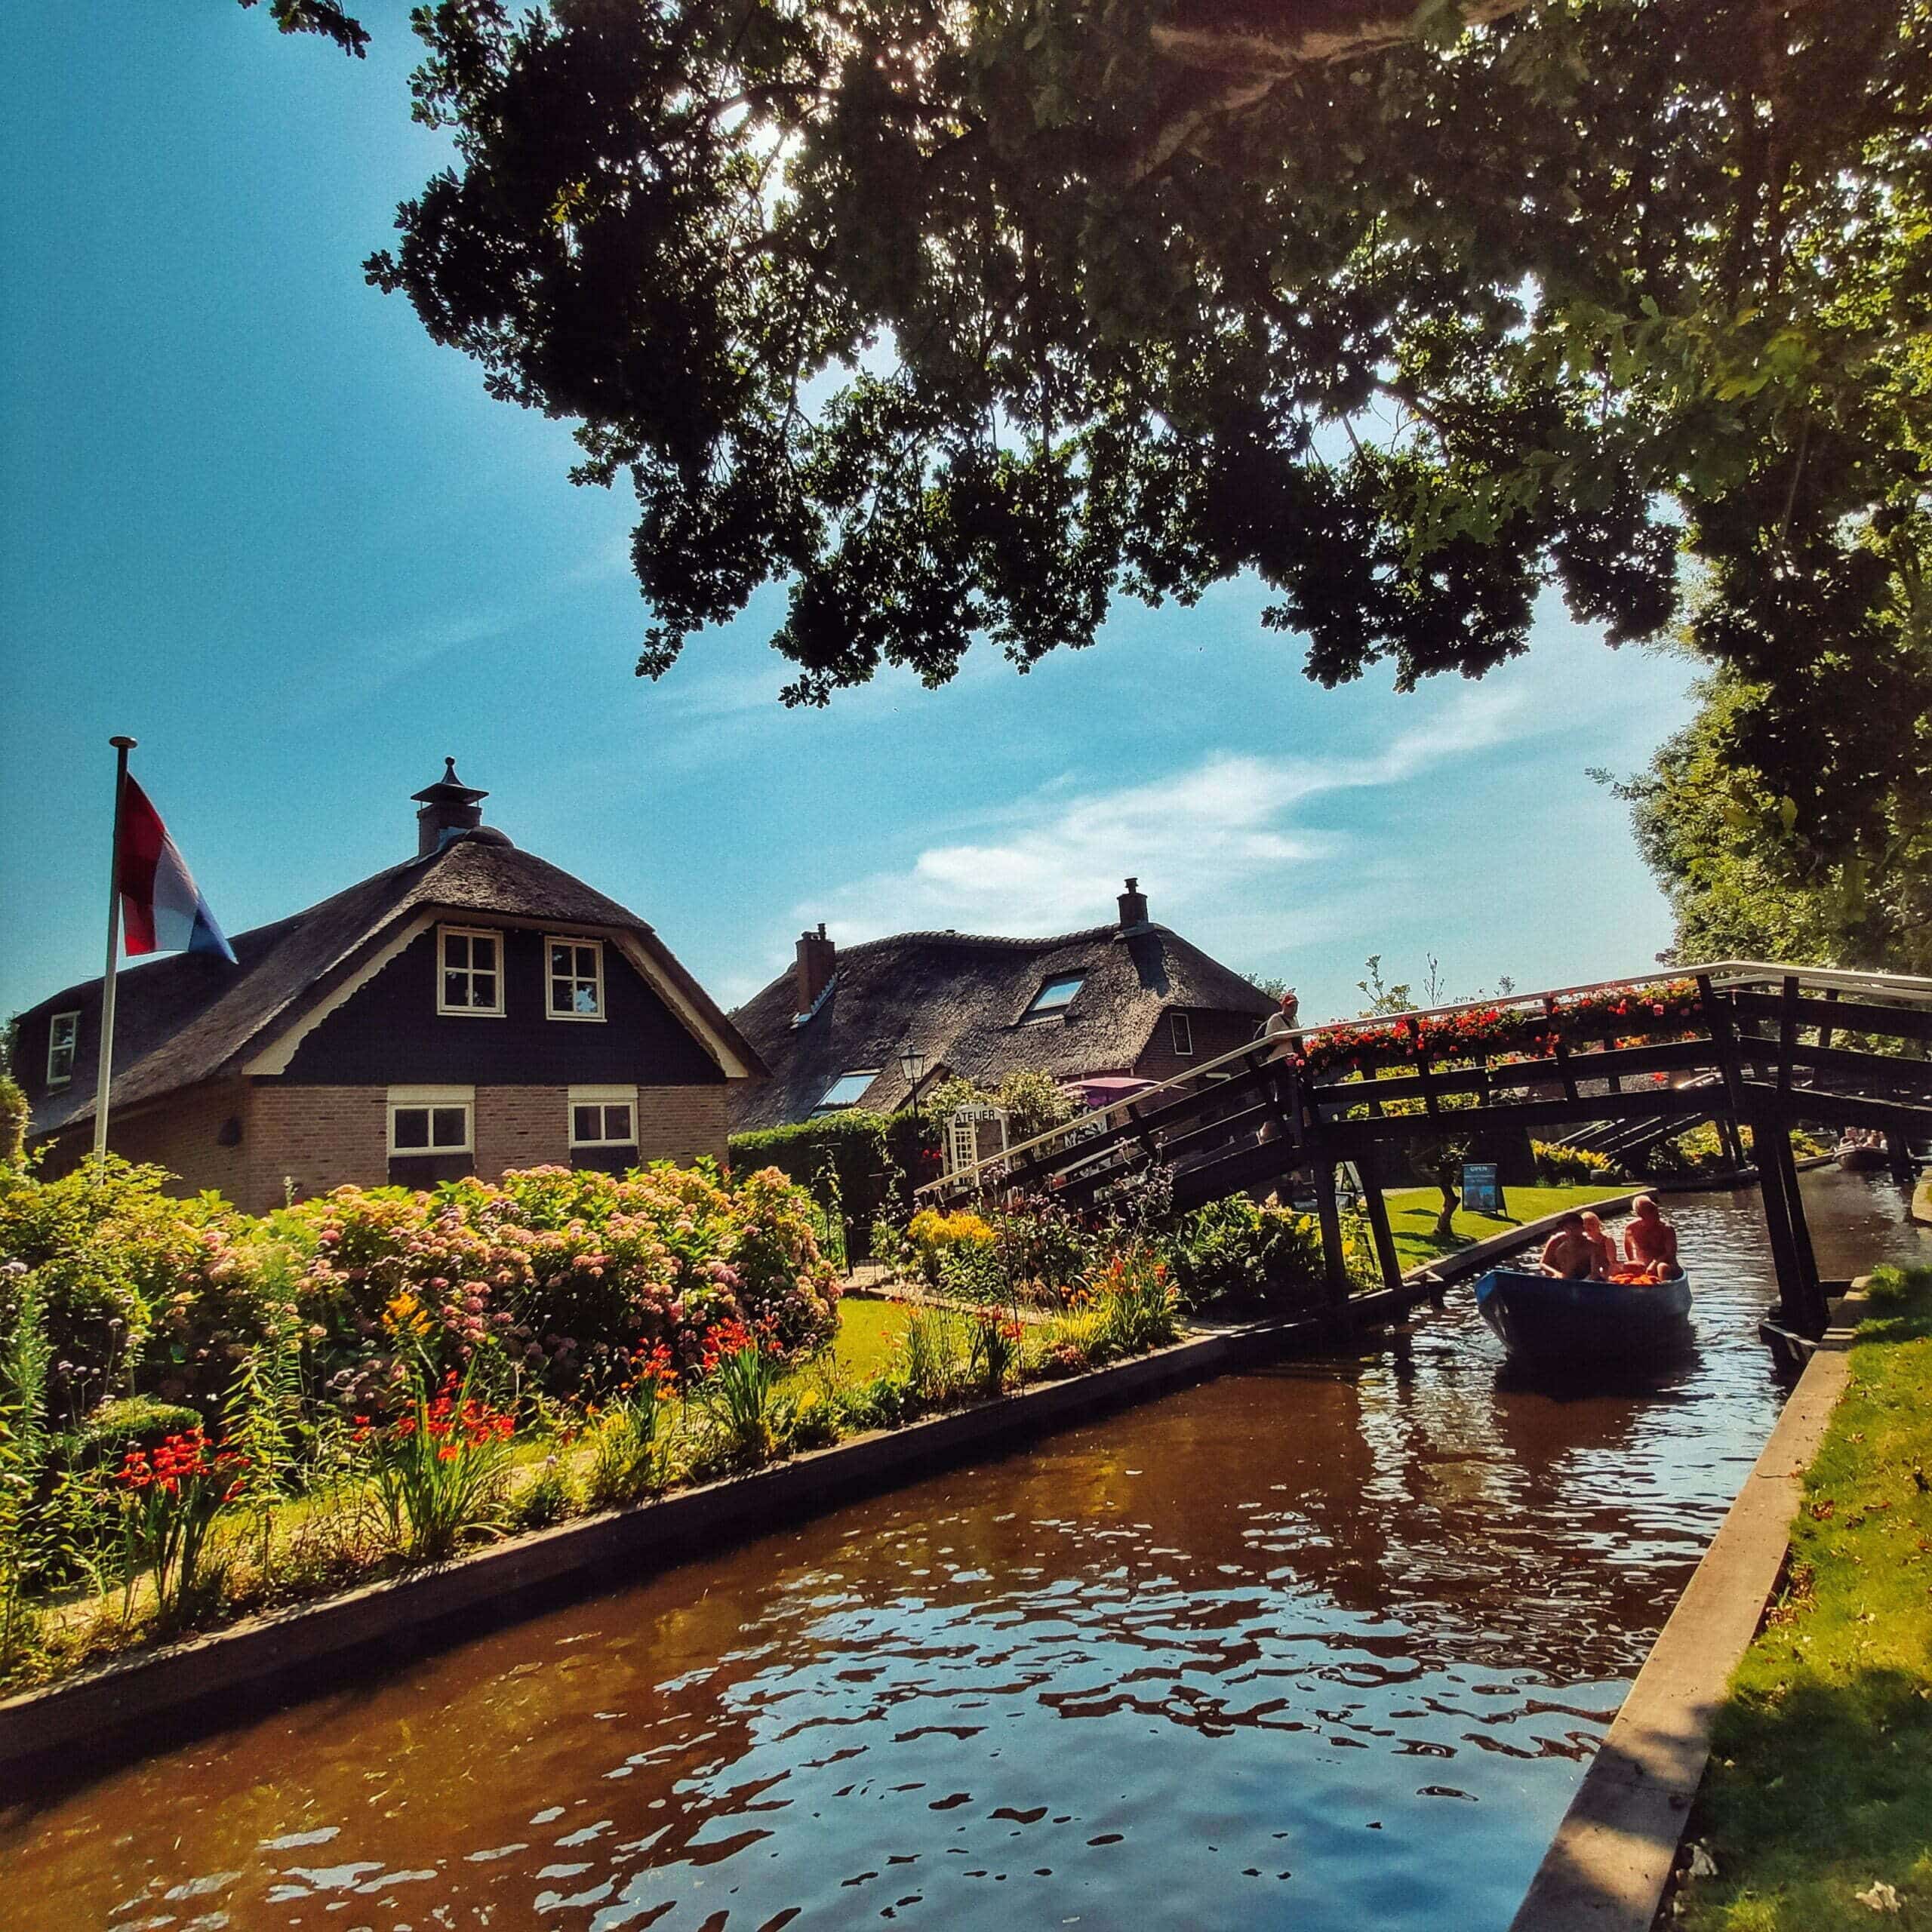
{"x": 1650, "y": 1241}
{"x": 1285, "y": 1018}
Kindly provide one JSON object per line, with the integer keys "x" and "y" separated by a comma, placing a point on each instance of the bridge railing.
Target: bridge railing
{"x": 1897, "y": 1004}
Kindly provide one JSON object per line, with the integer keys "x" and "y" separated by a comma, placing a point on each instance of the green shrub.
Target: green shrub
{"x": 110, "y": 1252}
{"x": 134, "y": 1422}
{"x": 1234, "y": 1250}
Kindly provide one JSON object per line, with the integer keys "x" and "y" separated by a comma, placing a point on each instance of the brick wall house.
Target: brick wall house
{"x": 472, "y": 1010}
{"x": 1127, "y": 1002}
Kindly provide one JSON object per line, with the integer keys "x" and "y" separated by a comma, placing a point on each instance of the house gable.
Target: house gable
{"x": 388, "y": 1031}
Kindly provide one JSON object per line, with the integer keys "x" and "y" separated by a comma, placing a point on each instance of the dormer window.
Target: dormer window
{"x": 575, "y": 971}
{"x": 470, "y": 978}
{"x": 1180, "y": 1029}
{"x": 1055, "y": 996}
{"x": 848, "y": 1090}
{"x": 63, "y": 1037}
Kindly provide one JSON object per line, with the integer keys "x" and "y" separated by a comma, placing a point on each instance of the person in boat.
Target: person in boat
{"x": 1650, "y": 1241}
{"x": 1567, "y": 1252}
{"x": 1603, "y": 1250}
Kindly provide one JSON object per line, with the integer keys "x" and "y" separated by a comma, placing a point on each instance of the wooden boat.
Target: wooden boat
{"x": 1859, "y": 1156}
{"x": 1549, "y": 1322}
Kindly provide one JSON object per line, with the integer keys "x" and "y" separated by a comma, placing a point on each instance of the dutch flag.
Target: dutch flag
{"x": 161, "y": 907}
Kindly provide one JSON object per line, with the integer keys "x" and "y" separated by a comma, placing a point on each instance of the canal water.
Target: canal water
{"x": 1322, "y": 1647}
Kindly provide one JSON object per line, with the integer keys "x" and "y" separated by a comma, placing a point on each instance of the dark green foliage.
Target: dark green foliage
{"x": 863, "y": 1150}
{"x": 1750, "y": 876}
{"x": 1235, "y": 1251}
{"x": 967, "y": 320}
{"x": 319, "y": 16}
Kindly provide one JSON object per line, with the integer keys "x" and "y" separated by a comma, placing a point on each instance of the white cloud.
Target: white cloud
{"x": 1197, "y": 839}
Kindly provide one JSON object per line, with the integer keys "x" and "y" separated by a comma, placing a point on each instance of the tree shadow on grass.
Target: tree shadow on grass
{"x": 1815, "y": 1791}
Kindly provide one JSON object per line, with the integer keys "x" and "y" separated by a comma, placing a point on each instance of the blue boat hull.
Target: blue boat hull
{"x": 1582, "y": 1325}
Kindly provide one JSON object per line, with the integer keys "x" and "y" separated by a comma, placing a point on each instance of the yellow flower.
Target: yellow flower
{"x": 405, "y": 1315}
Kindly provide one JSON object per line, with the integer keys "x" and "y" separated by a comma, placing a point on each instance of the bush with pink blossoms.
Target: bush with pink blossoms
{"x": 566, "y": 1274}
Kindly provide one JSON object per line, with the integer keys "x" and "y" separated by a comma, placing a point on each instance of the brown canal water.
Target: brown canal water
{"x": 1323, "y": 1647}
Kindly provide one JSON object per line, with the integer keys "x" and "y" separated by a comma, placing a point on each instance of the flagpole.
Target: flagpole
{"x": 122, "y": 746}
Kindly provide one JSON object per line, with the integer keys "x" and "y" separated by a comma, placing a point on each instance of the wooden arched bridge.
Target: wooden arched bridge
{"x": 1739, "y": 1042}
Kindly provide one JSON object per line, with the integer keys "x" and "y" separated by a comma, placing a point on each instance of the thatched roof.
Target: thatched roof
{"x": 959, "y": 1000}
{"x": 192, "y": 1016}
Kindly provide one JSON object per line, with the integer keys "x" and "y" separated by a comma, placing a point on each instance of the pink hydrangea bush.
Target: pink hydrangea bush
{"x": 568, "y": 1274}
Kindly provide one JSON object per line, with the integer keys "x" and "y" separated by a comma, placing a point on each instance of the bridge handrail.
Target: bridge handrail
{"x": 1906, "y": 988}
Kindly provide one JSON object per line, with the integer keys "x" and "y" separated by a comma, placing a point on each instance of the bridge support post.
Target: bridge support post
{"x": 1898, "y": 1145}
{"x": 1800, "y": 1300}
{"x": 1334, "y": 1264}
{"x": 1368, "y": 1164}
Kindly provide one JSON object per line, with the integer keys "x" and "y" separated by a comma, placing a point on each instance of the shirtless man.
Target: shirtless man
{"x": 1603, "y": 1250}
{"x": 1567, "y": 1252}
{"x": 1650, "y": 1241}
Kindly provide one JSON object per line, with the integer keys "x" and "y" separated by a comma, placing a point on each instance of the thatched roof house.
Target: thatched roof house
{"x": 1132, "y": 1000}
{"x": 473, "y": 1009}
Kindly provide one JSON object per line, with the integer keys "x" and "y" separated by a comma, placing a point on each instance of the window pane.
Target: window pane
{"x": 451, "y": 1125}
{"x": 455, "y": 989}
{"x": 560, "y": 959}
{"x": 585, "y": 1001}
{"x": 583, "y": 1125}
{"x": 483, "y": 990}
{"x": 412, "y": 1127}
{"x": 617, "y": 1124}
{"x": 559, "y": 996}
{"x": 456, "y": 949}
{"x": 483, "y": 953}
{"x": 587, "y": 962}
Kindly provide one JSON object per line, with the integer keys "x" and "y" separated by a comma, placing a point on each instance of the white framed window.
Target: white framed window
{"x": 1180, "y": 1030}
{"x": 848, "y": 1090}
{"x": 603, "y": 1116}
{"x": 1055, "y": 996}
{"x": 432, "y": 1120}
{"x": 470, "y": 975}
{"x": 64, "y": 1040}
{"x": 574, "y": 970}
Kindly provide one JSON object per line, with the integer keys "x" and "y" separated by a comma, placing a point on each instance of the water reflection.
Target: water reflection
{"x": 1323, "y": 1646}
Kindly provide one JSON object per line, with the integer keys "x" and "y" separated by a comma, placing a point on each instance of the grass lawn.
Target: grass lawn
{"x": 1821, "y": 1784}
{"x": 867, "y": 1332}
{"x": 1412, "y": 1212}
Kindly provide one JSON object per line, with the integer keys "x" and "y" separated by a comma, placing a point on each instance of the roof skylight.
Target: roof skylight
{"x": 847, "y": 1090}
{"x": 1055, "y": 995}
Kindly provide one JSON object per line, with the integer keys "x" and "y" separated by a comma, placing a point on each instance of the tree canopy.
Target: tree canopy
{"x": 325, "y": 17}
{"x": 965, "y": 318}
{"x": 1745, "y": 880}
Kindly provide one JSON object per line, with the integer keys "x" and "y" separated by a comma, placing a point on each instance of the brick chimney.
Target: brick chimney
{"x": 446, "y": 806}
{"x": 818, "y": 960}
{"x": 1133, "y": 906}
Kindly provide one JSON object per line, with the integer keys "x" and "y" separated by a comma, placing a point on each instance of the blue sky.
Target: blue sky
{"x": 251, "y": 515}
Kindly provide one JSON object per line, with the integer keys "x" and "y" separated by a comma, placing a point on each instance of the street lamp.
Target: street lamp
{"x": 912, "y": 1065}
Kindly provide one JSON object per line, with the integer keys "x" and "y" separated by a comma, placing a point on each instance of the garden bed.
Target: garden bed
{"x": 118, "y": 1706}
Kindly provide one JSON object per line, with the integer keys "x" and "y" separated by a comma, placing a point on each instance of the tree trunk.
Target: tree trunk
{"x": 1445, "y": 1222}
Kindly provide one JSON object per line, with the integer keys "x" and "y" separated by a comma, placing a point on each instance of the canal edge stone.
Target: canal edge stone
{"x": 1607, "y": 1867}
